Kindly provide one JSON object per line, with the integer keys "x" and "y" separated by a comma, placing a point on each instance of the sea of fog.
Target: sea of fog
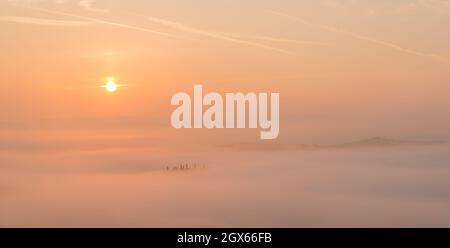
{"x": 399, "y": 186}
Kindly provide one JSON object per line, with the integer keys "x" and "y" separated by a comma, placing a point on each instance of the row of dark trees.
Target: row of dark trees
{"x": 184, "y": 167}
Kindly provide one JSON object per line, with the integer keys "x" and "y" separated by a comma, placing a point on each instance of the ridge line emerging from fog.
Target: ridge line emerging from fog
{"x": 374, "y": 142}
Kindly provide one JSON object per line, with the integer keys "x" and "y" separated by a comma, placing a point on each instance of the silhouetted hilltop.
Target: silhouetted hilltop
{"x": 372, "y": 142}
{"x": 381, "y": 142}
{"x": 365, "y": 143}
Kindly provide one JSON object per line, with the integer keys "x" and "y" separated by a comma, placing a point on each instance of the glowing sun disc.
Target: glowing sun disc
{"x": 111, "y": 86}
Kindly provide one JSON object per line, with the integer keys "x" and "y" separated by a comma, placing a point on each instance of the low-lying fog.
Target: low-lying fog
{"x": 401, "y": 186}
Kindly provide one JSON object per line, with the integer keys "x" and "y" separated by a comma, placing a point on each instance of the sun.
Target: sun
{"x": 111, "y": 86}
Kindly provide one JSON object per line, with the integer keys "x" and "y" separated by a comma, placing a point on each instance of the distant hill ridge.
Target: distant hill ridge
{"x": 365, "y": 143}
{"x": 379, "y": 141}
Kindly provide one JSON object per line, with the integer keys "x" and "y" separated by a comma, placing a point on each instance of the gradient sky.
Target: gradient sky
{"x": 73, "y": 154}
{"x": 345, "y": 69}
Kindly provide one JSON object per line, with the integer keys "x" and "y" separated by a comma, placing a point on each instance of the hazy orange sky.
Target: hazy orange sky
{"x": 345, "y": 69}
{"x": 74, "y": 154}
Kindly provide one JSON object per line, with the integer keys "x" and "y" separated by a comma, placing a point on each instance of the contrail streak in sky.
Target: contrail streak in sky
{"x": 219, "y": 36}
{"x": 100, "y": 21}
{"x": 44, "y": 22}
{"x": 272, "y": 39}
{"x": 366, "y": 38}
